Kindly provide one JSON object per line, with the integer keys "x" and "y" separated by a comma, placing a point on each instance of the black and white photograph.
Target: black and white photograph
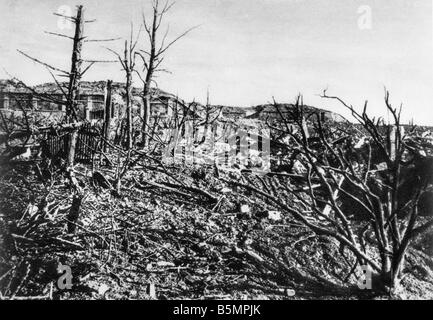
{"x": 230, "y": 152}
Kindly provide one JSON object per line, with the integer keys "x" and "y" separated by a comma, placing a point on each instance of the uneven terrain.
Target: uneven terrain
{"x": 152, "y": 243}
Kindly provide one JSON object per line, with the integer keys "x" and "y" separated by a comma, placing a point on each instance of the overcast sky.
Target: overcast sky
{"x": 246, "y": 51}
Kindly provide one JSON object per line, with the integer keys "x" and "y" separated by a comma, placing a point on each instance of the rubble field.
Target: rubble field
{"x": 150, "y": 242}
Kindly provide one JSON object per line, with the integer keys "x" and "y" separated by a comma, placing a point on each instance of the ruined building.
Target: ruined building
{"x": 49, "y": 100}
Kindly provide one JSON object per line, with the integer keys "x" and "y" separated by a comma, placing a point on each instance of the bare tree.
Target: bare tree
{"x": 367, "y": 198}
{"x": 69, "y": 93}
{"x": 128, "y": 65}
{"x": 153, "y": 58}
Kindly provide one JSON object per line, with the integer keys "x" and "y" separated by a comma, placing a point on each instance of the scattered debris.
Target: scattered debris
{"x": 274, "y": 215}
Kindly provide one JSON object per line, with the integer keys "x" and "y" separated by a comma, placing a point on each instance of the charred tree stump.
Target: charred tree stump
{"x": 74, "y": 212}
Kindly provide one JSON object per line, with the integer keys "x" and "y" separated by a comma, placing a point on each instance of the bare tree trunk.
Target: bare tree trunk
{"x": 71, "y": 114}
{"x": 108, "y": 113}
{"x": 74, "y": 80}
{"x": 305, "y": 127}
{"x": 71, "y": 148}
{"x": 147, "y": 101}
{"x": 148, "y": 80}
{"x": 75, "y": 75}
{"x": 145, "y": 112}
{"x": 146, "y": 120}
{"x": 128, "y": 65}
{"x": 128, "y": 99}
{"x": 74, "y": 212}
{"x": 152, "y": 61}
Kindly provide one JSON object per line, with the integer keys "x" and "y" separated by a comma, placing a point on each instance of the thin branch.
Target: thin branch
{"x": 59, "y": 35}
{"x": 102, "y": 40}
{"x": 43, "y": 63}
{"x": 160, "y": 52}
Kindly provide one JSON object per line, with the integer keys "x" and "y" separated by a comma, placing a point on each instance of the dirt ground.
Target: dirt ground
{"x": 149, "y": 243}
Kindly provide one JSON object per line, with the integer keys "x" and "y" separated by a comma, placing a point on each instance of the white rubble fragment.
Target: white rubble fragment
{"x": 381, "y": 166}
{"x": 151, "y": 291}
{"x": 290, "y": 292}
{"x": 103, "y": 288}
{"x": 245, "y": 208}
{"x": 32, "y": 210}
{"x": 165, "y": 264}
{"x": 274, "y": 215}
{"x": 225, "y": 190}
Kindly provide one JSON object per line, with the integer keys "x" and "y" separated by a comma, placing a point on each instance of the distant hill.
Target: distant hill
{"x": 256, "y": 113}
{"x": 268, "y": 111}
{"x": 97, "y": 88}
